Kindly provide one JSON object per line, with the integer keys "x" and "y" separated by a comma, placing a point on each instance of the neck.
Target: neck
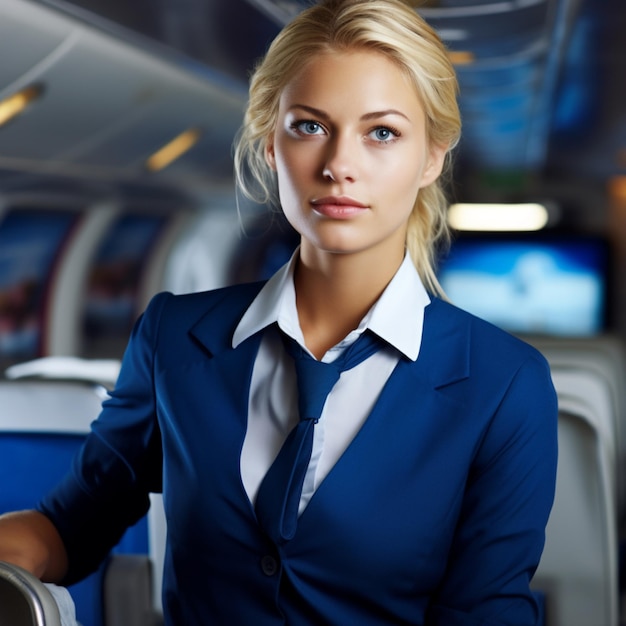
{"x": 335, "y": 291}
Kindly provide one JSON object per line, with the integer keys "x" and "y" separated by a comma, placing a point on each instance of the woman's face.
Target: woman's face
{"x": 350, "y": 152}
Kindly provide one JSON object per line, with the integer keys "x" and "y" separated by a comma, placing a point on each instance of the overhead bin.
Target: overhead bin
{"x": 108, "y": 103}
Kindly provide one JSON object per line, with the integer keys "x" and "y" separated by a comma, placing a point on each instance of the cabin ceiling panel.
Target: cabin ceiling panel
{"x": 108, "y": 105}
{"x": 26, "y": 41}
{"x": 159, "y": 122}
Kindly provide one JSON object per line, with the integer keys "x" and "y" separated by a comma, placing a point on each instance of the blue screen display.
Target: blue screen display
{"x": 539, "y": 286}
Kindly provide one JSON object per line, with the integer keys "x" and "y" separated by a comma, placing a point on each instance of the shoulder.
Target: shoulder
{"x": 506, "y": 384}
{"x": 480, "y": 330}
{"x": 192, "y": 306}
{"x": 490, "y": 351}
{"x": 169, "y": 318}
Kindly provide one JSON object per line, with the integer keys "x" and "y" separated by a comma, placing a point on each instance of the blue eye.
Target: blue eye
{"x": 383, "y": 134}
{"x": 308, "y": 127}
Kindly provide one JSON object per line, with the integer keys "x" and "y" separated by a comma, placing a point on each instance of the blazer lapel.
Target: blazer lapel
{"x": 416, "y": 401}
{"x": 227, "y": 379}
{"x": 214, "y": 330}
{"x": 444, "y": 353}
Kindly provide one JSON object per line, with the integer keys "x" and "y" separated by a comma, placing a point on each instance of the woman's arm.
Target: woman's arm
{"x": 119, "y": 464}
{"x": 508, "y": 497}
{"x": 29, "y": 539}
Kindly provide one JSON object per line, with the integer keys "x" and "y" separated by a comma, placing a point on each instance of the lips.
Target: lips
{"x": 338, "y": 207}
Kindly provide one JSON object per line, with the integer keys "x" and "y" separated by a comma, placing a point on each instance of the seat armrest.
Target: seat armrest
{"x": 25, "y": 600}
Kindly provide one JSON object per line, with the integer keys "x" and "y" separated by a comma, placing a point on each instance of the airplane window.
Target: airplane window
{"x": 114, "y": 281}
{"x": 31, "y": 241}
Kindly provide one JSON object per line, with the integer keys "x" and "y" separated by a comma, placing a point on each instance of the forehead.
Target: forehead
{"x": 364, "y": 79}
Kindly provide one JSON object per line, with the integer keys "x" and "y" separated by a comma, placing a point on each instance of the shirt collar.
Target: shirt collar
{"x": 276, "y": 303}
{"x": 407, "y": 294}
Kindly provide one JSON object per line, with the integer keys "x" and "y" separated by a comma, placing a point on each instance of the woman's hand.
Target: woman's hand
{"x": 30, "y": 540}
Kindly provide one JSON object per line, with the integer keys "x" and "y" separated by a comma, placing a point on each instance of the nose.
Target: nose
{"x": 341, "y": 160}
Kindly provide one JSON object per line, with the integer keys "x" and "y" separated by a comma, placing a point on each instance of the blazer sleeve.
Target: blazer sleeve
{"x": 501, "y": 530}
{"x": 120, "y": 462}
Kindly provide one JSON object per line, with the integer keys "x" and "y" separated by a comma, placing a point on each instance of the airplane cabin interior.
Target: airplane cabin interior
{"x": 117, "y": 119}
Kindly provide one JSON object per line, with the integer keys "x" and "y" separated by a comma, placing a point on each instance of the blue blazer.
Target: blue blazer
{"x": 434, "y": 515}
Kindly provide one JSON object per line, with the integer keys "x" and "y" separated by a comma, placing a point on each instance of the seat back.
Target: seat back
{"x": 24, "y": 600}
{"x": 157, "y": 525}
{"x": 578, "y": 569}
{"x": 604, "y": 359}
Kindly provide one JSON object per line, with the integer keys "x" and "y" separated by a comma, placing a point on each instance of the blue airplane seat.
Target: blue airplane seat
{"x": 42, "y": 425}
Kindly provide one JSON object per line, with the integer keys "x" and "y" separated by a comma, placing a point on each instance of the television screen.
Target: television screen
{"x": 538, "y": 285}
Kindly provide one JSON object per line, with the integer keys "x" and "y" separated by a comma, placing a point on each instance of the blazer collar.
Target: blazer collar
{"x": 444, "y": 356}
{"x": 445, "y": 352}
{"x": 214, "y": 330}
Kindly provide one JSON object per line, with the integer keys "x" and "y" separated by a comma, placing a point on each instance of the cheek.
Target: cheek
{"x": 296, "y": 217}
{"x": 412, "y": 175}
{"x": 287, "y": 183}
{"x": 290, "y": 190}
{"x": 293, "y": 170}
{"x": 403, "y": 190}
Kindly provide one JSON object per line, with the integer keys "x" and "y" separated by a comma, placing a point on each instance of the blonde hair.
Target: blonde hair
{"x": 394, "y": 29}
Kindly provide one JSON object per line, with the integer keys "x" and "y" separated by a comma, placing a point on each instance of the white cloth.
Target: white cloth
{"x": 273, "y": 397}
{"x": 64, "y": 601}
{"x": 103, "y": 371}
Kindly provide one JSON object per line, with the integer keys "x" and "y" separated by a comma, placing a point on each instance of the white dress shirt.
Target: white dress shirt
{"x": 65, "y": 604}
{"x": 397, "y": 317}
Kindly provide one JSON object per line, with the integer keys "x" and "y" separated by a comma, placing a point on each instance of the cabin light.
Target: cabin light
{"x": 173, "y": 150}
{"x": 461, "y": 57}
{"x": 16, "y": 103}
{"x": 617, "y": 188}
{"x": 498, "y": 217}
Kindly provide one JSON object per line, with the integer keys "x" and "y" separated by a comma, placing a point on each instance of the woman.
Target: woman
{"x": 432, "y": 466}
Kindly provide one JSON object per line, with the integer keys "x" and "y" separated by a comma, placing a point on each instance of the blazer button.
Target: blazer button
{"x": 269, "y": 566}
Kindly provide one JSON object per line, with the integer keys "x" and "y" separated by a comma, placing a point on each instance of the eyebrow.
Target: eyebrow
{"x": 367, "y": 116}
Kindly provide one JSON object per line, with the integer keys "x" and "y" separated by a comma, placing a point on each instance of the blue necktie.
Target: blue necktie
{"x": 279, "y": 495}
